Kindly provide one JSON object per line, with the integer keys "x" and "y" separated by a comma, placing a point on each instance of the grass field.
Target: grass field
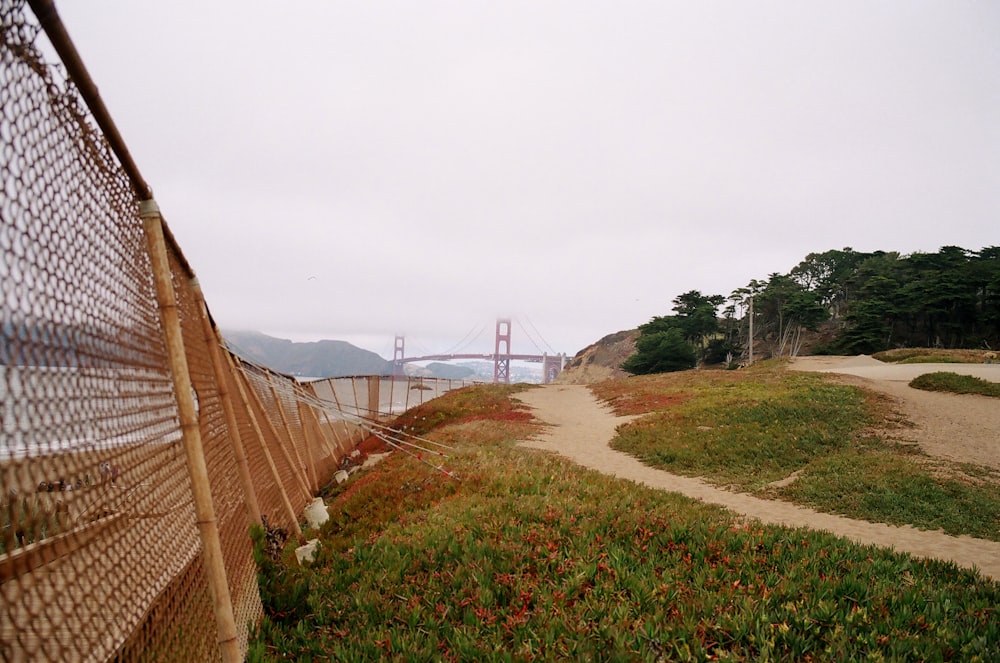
{"x": 846, "y": 446}
{"x": 529, "y": 557}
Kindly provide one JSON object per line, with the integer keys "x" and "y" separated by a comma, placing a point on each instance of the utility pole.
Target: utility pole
{"x": 750, "y": 360}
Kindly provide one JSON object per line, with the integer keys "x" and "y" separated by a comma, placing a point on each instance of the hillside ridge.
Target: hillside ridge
{"x": 316, "y": 359}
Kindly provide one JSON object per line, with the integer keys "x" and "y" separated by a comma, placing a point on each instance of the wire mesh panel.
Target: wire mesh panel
{"x": 100, "y": 553}
{"x": 228, "y": 496}
{"x": 96, "y": 509}
{"x": 336, "y": 399}
{"x": 285, "y": 400}
{"x": 275, "y": 441}
{"x": 266, "y": 487}
{"x": 342, "y": 428}
{"x": 320, "y": 440}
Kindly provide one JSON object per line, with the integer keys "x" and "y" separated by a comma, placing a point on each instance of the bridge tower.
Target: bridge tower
{"x": 397, "y": 356}
{"x": 501, "y": 361}
{"x": 552, "y": 366}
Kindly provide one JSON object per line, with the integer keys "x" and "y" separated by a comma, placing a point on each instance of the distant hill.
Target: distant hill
{"x": 600, "y": 361}
{"x": 441, "y": 370}
{"x": 319, "y": 359}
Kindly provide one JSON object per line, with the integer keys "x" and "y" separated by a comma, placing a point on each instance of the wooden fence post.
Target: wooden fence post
{"x": 340, "y": 408}
{"x": 374, "y": 397}
{"x": 300, "y": 481}
{"x": 212, "y": 340}
{"x": 343, "y": 447}
{"x": 208, "y": 526}
{"x": 275, "y": 476}
{"x": 307, "y": 410}
{"x": 357, "y": 403}
{"x": 310, "y": 478}
{"x": 392, "y": 389}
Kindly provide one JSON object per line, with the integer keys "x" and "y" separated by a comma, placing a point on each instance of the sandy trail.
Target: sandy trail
{"x": 581, "y": 428}
{"x": 964, "y": 428}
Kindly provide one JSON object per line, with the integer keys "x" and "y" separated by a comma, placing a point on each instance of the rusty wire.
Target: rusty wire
{"x": 100, "y": 553}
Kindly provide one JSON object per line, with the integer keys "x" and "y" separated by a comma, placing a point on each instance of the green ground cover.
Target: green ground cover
{"x": 748, "y": 429}
{"x": 530, "y": 557}
{"x": 956, "y": 384}
{"x": 932, "y": 356}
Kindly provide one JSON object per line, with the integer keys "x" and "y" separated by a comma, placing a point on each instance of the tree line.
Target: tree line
{"x": 864, "y": 302}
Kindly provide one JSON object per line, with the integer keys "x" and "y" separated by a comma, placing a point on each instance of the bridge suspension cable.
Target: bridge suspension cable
{"x": 530, "y": 337}
{"x": 547, "y": 344}
{"x": 421, "y": 350}
{"x": 465, "y": 341}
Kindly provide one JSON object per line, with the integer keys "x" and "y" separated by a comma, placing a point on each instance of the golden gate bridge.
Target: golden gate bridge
{"x": 501, "y": 357}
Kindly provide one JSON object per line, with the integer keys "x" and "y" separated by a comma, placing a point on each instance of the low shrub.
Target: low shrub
{"x": 956, "y": 384}
{"x": 931, "y": 356}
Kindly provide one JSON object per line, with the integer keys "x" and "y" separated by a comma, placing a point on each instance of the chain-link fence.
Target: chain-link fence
{"x": 135, "y": 451}
{"x": 381, "y": 397}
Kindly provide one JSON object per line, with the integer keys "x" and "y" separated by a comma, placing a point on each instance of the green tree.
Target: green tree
{"x": 880, "y": 300}
{"x": 828, "y": 275}
{"x": 697, "y": 316}
{"x": 661, "y": 352}
{"x": 737, "y": 314}
{"x": 659, "y": 323}
{"x": 784, "y": 308}
{"x": 873, "y": 315}
{"x": 676, "y": 342}
{"x": 986, "y": 282}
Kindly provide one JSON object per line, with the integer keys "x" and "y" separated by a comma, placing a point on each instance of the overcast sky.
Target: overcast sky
{"x": 353, "y": 170}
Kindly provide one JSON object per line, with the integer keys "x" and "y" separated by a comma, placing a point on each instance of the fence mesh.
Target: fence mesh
{"x": 91, "y": 476}
{"x": 100, "y": 555}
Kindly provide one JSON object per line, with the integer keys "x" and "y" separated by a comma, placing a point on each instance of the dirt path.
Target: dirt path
{"x": 964, "y": 428}
{"x": 582, "y": 427}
